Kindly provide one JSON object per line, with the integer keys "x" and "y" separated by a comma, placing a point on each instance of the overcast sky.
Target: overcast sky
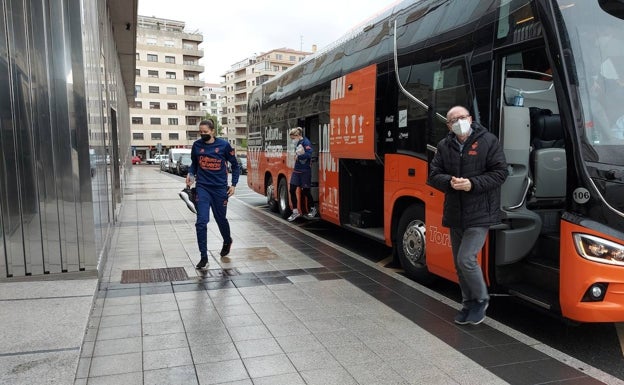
{"x": 236, "y": 29}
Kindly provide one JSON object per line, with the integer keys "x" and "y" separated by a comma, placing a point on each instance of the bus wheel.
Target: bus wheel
{"x": 282, "y": 196}
{"x": 410, "y": 245}
{"x": 270, "y": 195}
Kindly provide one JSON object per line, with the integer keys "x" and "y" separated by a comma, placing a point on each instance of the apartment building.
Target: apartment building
{"x": 241, "y": 78}
{"x": 214, "y": 95}
{"x": 168, "y": 89}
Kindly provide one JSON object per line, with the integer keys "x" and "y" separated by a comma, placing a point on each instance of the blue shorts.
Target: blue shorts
{"x": 302, "y": 179}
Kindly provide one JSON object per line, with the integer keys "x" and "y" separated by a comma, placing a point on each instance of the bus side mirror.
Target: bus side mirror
{"x": 613, "y": 7}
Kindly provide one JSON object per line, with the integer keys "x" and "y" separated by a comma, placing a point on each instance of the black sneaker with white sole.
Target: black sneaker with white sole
{"x": 188, "y": 195}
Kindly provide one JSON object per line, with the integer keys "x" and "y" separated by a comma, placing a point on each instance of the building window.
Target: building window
{"x": 155, "y": 121}
{"x": 152, "y": 73}
{"x": 192, "y": 135}
{"x": 191, "y": 107}
{"x": 172, "y": 91}
{"x": 138, "y": 104}
{"x": 173, "y": 121}
{"x": 172, "y": 106}
{"x": 137, "y": 120}
{"x": 192, "y": 121}
{"x": 156, "y": 136}
{"x": 173, "y": 136}
{"x": 169, "y": 43}
{"x": 170, "y": 59}
{"x": 137, "y": 89}
{"x": 170, "y": 75}
{"x": 152, "y": 57}
{"x": 137, "y": 136}
{"x": 154, "y": 105}
{"x": 154, "y": 89}
{"x": 278, "y": 56}
{"x": 151, "y": 41}
{"x": 292, "y": 58}
{"x": 137, "y": 72}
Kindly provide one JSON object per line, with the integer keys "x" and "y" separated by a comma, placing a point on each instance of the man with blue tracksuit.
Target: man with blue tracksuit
{"x": 209, "y": 157}
{"x": 301, "y": 175}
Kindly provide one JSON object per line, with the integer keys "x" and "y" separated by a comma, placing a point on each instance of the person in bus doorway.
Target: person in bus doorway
{"x": 469, "y": 167}
{"x": 301, "y": 175}
{"x": 209, "y": 170}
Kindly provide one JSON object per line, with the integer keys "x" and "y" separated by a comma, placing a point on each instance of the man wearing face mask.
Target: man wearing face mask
{"x": 469, "y": 167}
{"x": 209, "y": 169}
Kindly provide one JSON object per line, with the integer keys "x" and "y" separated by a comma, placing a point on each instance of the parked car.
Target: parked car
{"x": 164, "y": 164}
{"x": 156, "y": 159}
{"x": 242, "y": 163}
{"x": 183, "y": 164}
{"x": 173, "y": 156}
{"x": 136, "y": 160}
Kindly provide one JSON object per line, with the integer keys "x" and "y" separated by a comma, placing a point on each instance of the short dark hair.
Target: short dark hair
{"x": 207, "y": 122}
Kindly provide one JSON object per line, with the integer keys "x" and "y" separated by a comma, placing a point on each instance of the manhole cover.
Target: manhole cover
{"x": 154, "y": 275}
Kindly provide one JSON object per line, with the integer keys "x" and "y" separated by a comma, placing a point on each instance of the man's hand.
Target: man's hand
{"x": 231, "y": 190}
{"x": 461, "y": 184}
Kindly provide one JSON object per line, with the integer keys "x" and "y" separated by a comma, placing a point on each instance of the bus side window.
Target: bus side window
{"x": 418, "y": 80}
{"x": 451, "y": 88}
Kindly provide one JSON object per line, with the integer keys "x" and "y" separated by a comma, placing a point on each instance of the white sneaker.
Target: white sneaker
{"x": 185, "y": 197}
{"x": 312, "y": 213}
{"x": 293, "y": 216}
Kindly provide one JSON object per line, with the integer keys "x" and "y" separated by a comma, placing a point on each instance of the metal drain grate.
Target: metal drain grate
{"x": 154, "y": 275}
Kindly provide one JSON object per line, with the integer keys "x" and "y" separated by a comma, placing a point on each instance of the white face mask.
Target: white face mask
{"x": 461, "y": 127}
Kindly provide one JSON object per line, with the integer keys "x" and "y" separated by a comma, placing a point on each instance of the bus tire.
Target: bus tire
{"x": 270, "y": 195}
{"x": 410, "y": 244}
{"x": 282, "y": 198}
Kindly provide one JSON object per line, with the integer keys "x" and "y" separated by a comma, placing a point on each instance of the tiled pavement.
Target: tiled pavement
{"x": 283, "y": 308}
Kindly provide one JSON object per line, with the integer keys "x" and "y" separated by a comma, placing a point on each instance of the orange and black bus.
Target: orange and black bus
{"x": 545, "y": 76}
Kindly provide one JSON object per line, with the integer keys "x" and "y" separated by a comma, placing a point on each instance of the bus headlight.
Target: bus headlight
{"x": 598, "y": 249}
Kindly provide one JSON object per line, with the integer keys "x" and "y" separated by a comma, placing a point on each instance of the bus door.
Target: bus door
{"x": 533, "y": 196}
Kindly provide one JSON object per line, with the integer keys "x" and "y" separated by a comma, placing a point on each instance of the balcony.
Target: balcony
{"x": 195, "y": 52}
{"x": 192, "y": 66}
{"x": 193, "y": 82}
{"x": 193, "y": 97}
{"x": 192, "y": 37}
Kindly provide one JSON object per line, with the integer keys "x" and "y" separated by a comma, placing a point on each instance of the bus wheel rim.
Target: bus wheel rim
{"x": 414, "y": 242}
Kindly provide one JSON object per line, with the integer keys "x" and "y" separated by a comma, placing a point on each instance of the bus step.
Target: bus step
{"x": 544, "y": 299}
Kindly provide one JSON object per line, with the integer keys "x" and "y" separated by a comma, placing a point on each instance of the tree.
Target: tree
{"x": 216, "y": 122}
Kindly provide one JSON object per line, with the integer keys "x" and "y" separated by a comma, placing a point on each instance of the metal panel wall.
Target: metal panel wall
{"x": 59, "y": 78}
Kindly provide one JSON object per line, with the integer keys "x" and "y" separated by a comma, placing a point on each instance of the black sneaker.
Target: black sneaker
{"x": 476, "y": 315}
{"x": 225, "y": 250}
{"x": 460, "y": 318}
{"x": 202, "y": 263}
{"x": 188, "y": 195}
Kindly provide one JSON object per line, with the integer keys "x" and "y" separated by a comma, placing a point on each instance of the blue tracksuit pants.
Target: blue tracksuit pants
{"x": 216, "y": 198}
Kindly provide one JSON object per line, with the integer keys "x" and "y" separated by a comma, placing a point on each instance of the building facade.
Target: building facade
{"x": 241, "y": 78}
{"x": 214, "y": 97}
{"x": 66, "y": 77}
{"x": 167, "y": 109}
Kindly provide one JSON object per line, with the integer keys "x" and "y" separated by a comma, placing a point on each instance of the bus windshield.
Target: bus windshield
{"x": 596, "y": 39}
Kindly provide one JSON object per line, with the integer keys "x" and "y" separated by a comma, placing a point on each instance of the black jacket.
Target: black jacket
{"x": 483, "y": 162}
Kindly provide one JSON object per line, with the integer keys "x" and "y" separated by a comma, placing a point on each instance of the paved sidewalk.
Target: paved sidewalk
{"x": 42, "y": 325}
{"x": 280, "y": 317}
{"x": 284, "y": 307}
